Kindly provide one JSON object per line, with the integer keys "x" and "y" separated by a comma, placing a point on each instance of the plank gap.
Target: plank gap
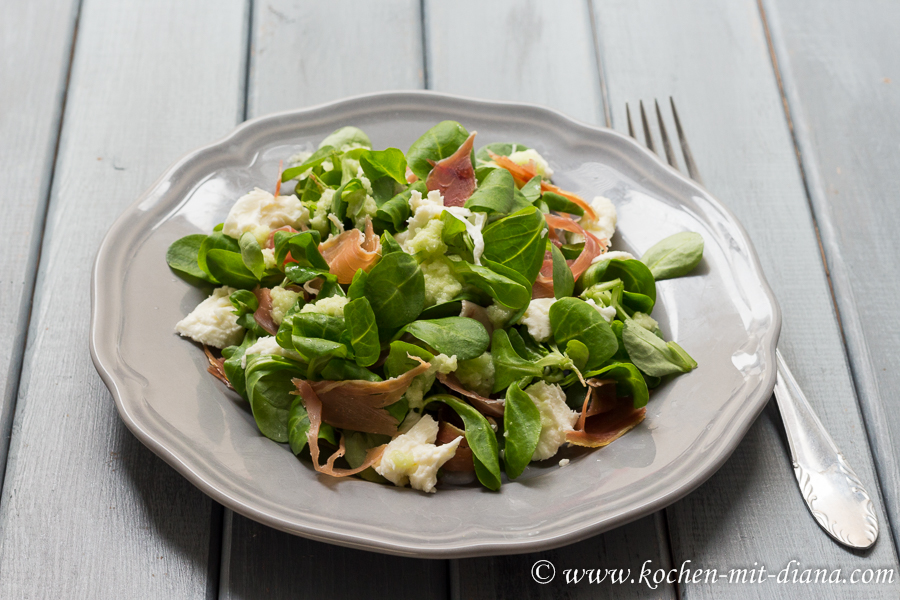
{"x": 808, "y": 175}
{"x": 37, "y": 242}
{"x": 598, "y": 56}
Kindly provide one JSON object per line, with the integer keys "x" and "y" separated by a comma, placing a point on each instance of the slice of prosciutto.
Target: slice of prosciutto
{"x": 604, "y": 416}
{"x": 489, "y": 407}
{"x": 543, "y": 285}
{"x": 351, "y": 251}
{"x": 524, "y": 173}
{"x": 463, "y": 460}
{"x": 454, "y": 176}
{"x": 216, "y": 366}
{"x": 359, "y": 405}
{"x": 314, "y": 408}
{"x": 263, "y": 314}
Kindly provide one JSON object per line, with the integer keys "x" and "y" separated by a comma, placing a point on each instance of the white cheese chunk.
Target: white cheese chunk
{"x": 537, "y": 319}
{"x": 607, "y": 312}
{"x": 267, "y": 346}
{"x": 282, "y": 301}
{"x": 260, "y": 212}
{"x": 604, "y": 226}
{"x": 618, "y": 254}
{"x": 524, "y": 157}
{"x": 332, "y": 306}
{"x": 556, "y": 418}
{"x": 414, "y": 459}
{"x": 213, "y": 322}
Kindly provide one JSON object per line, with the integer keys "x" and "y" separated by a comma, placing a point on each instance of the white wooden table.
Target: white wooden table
{"x": 791, "y": 107}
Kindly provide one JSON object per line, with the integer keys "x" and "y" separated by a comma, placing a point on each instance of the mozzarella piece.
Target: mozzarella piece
{"x": 282, "y": 301}
{"x": 267, "y": 346}
{"x": 607, "y": 312}
{"x": 556, "y": 418}
{"x": 332, "y": 306}
{"x": 537, "y": 319}
{"x": 604, "y": 226}
{"x": 414, "y": 459}
{"x": 261, "y": 212}
{"x": 213, "y": 322}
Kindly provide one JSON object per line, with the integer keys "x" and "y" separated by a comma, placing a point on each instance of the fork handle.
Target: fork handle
{"x": 829, "y": 486}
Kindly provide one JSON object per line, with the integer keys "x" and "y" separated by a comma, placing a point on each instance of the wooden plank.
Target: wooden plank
{"x": 381, "y": 50}
{"x": 305, "y": 53}
{"x": 35, "y": 37}
{"x": 542, "y": 53}
{"x": 528, "y": 51}
{"x": 841, "y": 69}
{"x": 87, "y": 511}
{"x": 713, "y": 58}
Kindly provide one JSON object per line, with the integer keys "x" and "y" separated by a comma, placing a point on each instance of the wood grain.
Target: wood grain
{"x": 543, "y": 53}
{"x": 713, "y": 58}
{"x": 87, "y": 511}
{"x": 841, "y": 67}
{"x": 35, "y": 37}
{"x": 529, "y": 51}
{"x": 306, "y": 53}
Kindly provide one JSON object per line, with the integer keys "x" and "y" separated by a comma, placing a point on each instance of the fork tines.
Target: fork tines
{"x": 693, "y": 173}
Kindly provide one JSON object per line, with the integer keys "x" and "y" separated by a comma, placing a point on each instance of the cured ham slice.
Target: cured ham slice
{"x": 216, "y": 367}
{"x": 463, "y": 460}
{"x": 359, "y": 405}
{"x": 543, "y": 285}
{"x": 604, "y": 417}
{"x": 263, "y": 314}
{"x": 489, "y": 407}
{"x": 314, "y": 408}
{"x": 351, "y": 251}
{"x": 524, "y": 173}
{"x": 454, "y": 176}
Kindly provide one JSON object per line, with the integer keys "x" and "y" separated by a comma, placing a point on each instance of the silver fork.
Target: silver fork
{"x": 831, "y": 489}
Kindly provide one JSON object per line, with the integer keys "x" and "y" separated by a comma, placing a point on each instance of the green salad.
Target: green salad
{"x": 403, "y": 316}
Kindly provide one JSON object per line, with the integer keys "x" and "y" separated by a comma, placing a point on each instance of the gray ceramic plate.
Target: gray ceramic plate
{"x": 725, "y": 315}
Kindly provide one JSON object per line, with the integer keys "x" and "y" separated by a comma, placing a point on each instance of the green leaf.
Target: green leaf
{"x": 508, "y": 292}
{"x": 500, "y": 148}
{"x": 360, "y": 322}
{"x": 358, "y": 445}
{"x": 216, "y": 241}
{"x": 269, "y": 390}
{"x": 629, "y": 382}
{"x": 508, "y": 365}
{"x": 244, "y": 302}
{"x": 301, "y": 275}
{"x": 522, "y": 429}
{"x": 496, "y": 195}
{"x": 318, "y": 352}
{"x": 340, "y": 369}
{"x": 232, "y": 365}
{"x": 298, "y": 428}
{"x": 462, "y": 337}
{"x": 531, "y": 191}
{"x": 481, "y": 439}
{"x": 393, "y": 214}
{"x": 317, "y": 325}
{"x": 357, "y": 285}
{"x": 561, "y": 204}
{"x": 228, "y": 268}
{"x": 340, "y": 203}
{"x": 652, "y": 355}
{"x": 378, "y": 163}
{"x": 579, "y": 354}
{"x": 304, "y": 248}
{"x": 252, "y": 255}
{"x": 675, "y": 256}
{"x": 518, "y": 242}
{"x": 182, "y": 258}
{"x": 389, "y": 244}
{"x": 395, "y": 288}
{"x": 346, "y": 137}
{"x": 634, "y": 274}
{"x": 317, "y": 158}
{"x": 563, "y": 280}
{"x": 398, "y": 362}
{"x": 437, "y": 143}
{"x": 575, "y": 319}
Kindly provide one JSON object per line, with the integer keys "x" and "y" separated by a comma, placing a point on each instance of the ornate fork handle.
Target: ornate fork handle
{"x": 835, "y": 495}
{"x": 832, "y": 491}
